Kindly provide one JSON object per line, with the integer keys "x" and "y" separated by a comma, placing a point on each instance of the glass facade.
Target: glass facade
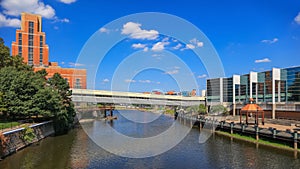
{"x": 213, "y": 90}
{"x": 227, "y": 89}
{"x": 292, "y": 84}
{"x": 286, "y": 87}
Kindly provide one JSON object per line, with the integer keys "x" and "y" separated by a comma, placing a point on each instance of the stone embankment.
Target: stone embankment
{"x": 14, "y": 140}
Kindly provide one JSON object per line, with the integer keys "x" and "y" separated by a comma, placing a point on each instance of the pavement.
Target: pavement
{"x": 279, "y": 124}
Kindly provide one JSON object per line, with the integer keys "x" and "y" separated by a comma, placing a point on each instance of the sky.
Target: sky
{"x": 253, "y": 35}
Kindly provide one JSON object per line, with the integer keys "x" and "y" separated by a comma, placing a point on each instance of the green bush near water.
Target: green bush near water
{"x": 170, "y": 111}
{"x": 28, "y": 134}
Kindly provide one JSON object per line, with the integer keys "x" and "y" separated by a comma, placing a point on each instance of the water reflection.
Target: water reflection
{"x": 77, "y": 150}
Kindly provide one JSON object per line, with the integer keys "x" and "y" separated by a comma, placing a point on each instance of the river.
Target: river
{"x": 77, "y": 150}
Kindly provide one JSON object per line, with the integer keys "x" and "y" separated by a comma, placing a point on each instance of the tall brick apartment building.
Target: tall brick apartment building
{"x": 31, "y": 45}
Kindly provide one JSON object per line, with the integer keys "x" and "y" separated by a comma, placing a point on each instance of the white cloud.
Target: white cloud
{"x": 159, "y": 46}
{"x": 130, "y": 81}
{"x": 145, "y": 81}
{"x": 67, "y": 1}
{"x": 75, "y": 64}
{"x": 138, "y": 45}
{"x": 202, "y": 76}
{"x": 262, "y": 60}
{"x": 176, "y": 67}
{"x": 199, "y": 44}
{"x": 178, "y": 46}
{"x": 190, "y": 46}
{"x": 15, "y": 7}
{"x": 7, "y": 22}
{"x": 172, "y": 72}
{"x": 156, "y": 55}
{"x": 105, "y": 80}
{"x": 146, "y": 49}
{"x": 196, "y": 42}
{"x": 157, "y": 82}
{"x": 104, "y": 30}
{"x": 165, "y": 39}
{"x": 297, "y": 19}
{"x": 135, "y": 32}
{"x": 55, "y": 27}
{"x": 64, "y": 20}
{"x": 274, "y": 40}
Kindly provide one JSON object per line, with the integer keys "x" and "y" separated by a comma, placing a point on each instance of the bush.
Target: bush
{"x": 28, "y": 134}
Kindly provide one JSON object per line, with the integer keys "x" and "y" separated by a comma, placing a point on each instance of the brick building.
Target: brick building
{"x": 31, "y": 45}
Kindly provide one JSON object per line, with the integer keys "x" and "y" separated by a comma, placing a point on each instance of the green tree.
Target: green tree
{"x": 2, "y": 104}
{"x": 202, "y": 109}
{"x": 4, "y": 53}
{"x": 19, "y": 87}
{"x": 65, "y": 117}
{"x": 218, "y": 109}
{"x": 193, "y": 109}
{"x": 25, "y": 93}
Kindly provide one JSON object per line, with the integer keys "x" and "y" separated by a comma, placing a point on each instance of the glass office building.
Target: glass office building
{"x": 279, "y": 87}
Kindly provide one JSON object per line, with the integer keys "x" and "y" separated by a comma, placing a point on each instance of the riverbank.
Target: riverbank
{"x": 14, "y": 140}
{"x": 252, "y": 140}
{"x": 276, "y": 135}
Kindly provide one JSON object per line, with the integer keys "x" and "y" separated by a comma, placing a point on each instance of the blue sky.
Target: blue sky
{"x": 248, "y": 35}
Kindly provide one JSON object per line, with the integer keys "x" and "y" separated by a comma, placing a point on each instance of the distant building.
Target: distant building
{"x": 203, "y": 93}
{"x": 277, "y": 91}
{"x": 31, "y": 41}
{"x": 193, "y": 92}
{"x": 31, "y": 45}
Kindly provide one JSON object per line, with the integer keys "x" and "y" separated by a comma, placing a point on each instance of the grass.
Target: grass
{"x": 260, "y": 141}
{"x": 170, "y": 111}
{"x": 4, "y": 125}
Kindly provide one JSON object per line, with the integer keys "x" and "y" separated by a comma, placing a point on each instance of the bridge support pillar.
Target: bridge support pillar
{"x": 111, "y": 112}
{"x": 200, "y": 125}
{"x": 104, "y": 113}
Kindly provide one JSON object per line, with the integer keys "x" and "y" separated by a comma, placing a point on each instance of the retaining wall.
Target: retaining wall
{"x": 14, "y": 142}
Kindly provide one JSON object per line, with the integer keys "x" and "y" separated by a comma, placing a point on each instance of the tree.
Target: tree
{"x": 194, "y": 109}
{"x": 65, "y": 117}
{"x": 25, "y": 93}
{"x": 4, "y": 53}
{"x": 2, "y": 103}
{"x": 202, "y": 109}
{"x": 218, "y": 109}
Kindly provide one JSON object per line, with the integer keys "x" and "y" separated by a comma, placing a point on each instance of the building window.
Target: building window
{"x": 30, "y": 56}
{"x": 30, "y": 40}
{"x": 20, "y": 38}
{"x": 20, "y": 44}
{"x": 41, "y": 56}
{"x": 77, "y": 84}
{"x": 31, "y": 27}
{"x": 41, "y": 41}
{"x": 20, "y": 50}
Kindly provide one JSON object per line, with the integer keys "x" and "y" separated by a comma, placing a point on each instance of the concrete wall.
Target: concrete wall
{"x": 13, "y": 139}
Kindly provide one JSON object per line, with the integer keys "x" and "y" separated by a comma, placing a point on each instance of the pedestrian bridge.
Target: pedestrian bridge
{"x": 115, "y": 97}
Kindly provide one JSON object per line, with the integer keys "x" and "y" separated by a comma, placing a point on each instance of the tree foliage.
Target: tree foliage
{"x": 202, "y": 109}
{"x": 218, "y": 109}
{"x": 25, "y": 93}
